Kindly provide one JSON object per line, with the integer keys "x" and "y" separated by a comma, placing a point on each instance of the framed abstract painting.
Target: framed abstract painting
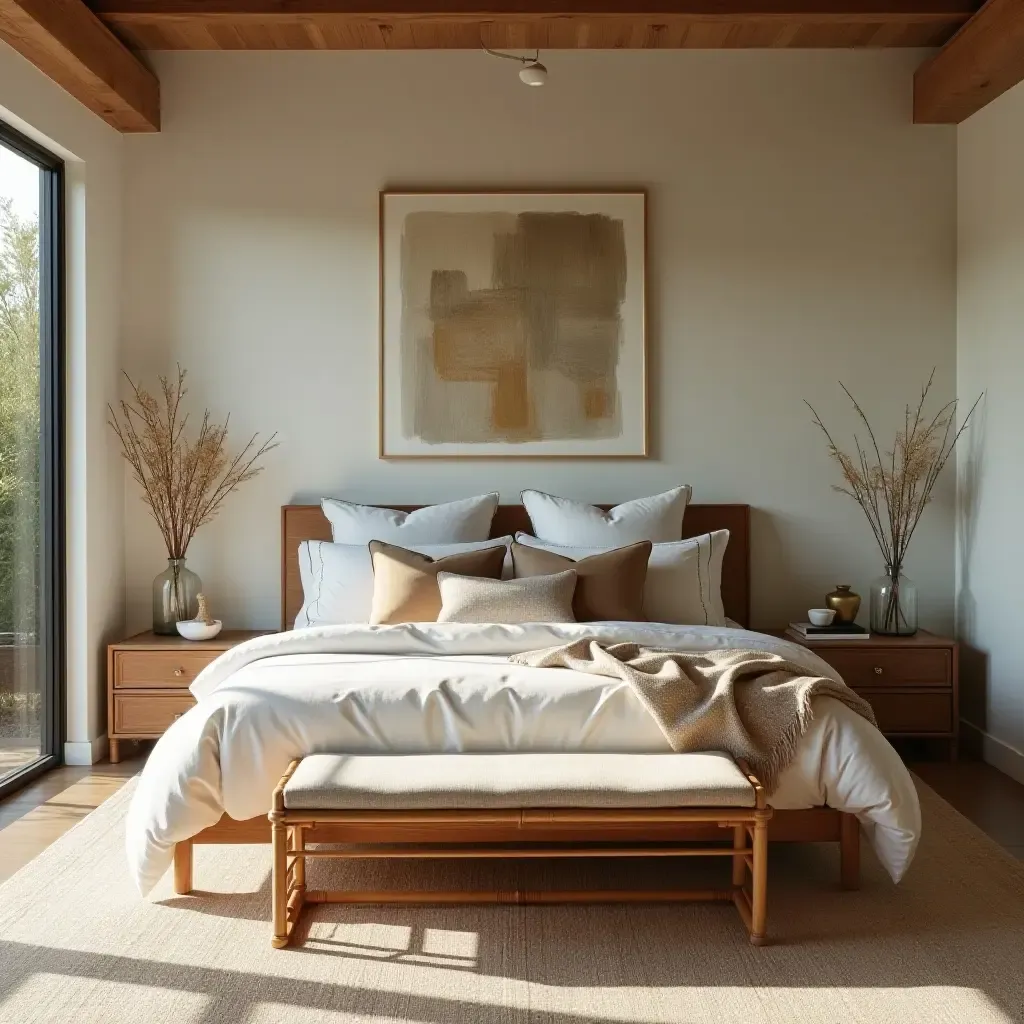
{"x": 512, "y": 324}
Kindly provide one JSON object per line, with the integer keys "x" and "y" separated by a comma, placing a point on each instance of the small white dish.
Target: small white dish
{"x": 821, "y": 616}
{"x": 192, "y": 629}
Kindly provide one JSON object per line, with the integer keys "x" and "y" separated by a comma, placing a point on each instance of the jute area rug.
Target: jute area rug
{"x": 77, "y": 944}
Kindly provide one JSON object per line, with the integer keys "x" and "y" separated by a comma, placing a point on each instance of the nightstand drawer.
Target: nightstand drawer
{"x": 911, "y": 712}
{"x": 928, "y": 666}
{"x": 148, "y": 678}
{"x": 148, "y": 714}
{"x": 160, "y": 669}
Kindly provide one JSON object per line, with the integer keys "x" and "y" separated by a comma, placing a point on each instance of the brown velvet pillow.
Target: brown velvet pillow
{"x": 609, "y": 586}
{"x": 405, "y": 582}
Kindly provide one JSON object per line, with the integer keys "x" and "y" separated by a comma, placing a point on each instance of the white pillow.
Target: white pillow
{"x": 684, "y": 578}
{"x": 454, "y": 522}
{"x": 337, "y": 579}
{"x": 574, "y": 523}
{"x": 531, "y": 599}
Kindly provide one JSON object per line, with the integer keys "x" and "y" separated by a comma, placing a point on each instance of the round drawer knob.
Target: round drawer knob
{"x": 179, "y": 672}
{"x": 878, "y": 670}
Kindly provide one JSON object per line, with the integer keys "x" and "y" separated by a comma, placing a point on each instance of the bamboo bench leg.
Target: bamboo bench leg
{"x": 299, "y": 845}
{"x": 849, "y": 851}
{"x": 279, "y": 882}
{"x": 759, "y": 883}
{"x": 739, "y": 866}
{"x": 183, "y": 867}
{"x": 281, "y": 888}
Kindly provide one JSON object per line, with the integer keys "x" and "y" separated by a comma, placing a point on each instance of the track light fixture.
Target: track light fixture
{"x": 532, "y": 73}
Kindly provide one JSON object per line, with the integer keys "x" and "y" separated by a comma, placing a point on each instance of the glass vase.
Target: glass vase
{"x": 893, "y": 604}
{"x": 175, "y": 593}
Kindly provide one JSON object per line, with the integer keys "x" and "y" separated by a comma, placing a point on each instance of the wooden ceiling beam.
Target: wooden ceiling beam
{"x": 69, "y": 44}
{"x": 982, "y": 61}
{"x": 822, "y": 11}
{"x": 524, "y": 24}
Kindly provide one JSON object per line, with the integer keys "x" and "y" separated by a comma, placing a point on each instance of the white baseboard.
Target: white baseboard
{"x": 1007, "y": 758}
{"x": 83, "y": 753}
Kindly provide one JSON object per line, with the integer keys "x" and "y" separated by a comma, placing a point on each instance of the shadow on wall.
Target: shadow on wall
{"x": 973, "y": 662}
{"x": 766, "y": 540}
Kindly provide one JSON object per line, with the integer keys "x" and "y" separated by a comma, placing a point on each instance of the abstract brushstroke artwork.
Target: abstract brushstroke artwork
{"x": 512, "y": 324}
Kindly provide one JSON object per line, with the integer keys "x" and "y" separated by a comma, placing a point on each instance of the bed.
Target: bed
{"x": 207, "y": 779}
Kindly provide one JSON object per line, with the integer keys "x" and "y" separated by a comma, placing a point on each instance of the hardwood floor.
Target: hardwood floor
{"x": 992, "y": 800}
{"x": 43, "y": 811}
{"x": 46, "y": 808}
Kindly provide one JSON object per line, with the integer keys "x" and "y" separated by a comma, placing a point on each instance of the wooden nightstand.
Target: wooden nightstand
{"x": 148, "y": 678}
{"x": 911, "y": 682}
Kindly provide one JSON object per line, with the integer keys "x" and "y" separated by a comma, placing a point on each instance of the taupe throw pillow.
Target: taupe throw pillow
{"x": 538, "y": 599}
{"x": 609, "y": 585}
{"x": 405, "y": 582}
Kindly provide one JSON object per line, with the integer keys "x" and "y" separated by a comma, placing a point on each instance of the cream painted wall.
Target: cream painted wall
{"x": 96, "y": 556}
{"x": 801, "y": 230}
{"x": 991, "y": 467}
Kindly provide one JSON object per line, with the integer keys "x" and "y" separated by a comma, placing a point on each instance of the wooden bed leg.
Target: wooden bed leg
{"x": 183, "y": 867}
{"x": 849, "y": 851}
{"x": 739, "y": 843}
{"x": 759, "y": 884}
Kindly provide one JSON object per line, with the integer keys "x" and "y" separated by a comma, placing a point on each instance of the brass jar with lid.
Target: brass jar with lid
{"x": 844, "y": 602}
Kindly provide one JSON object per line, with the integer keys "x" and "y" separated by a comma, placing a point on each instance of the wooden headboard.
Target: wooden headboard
{"x": 308, "y": 522}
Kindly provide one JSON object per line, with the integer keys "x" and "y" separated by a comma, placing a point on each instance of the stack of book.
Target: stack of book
{"x": 837, "y": 631}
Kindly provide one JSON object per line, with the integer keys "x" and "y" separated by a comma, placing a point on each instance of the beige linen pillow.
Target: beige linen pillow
{"x": 405, "y": 582}
{"x": 536, "y": 599}
{"x": 609, "y": 585}
{"x": 684, "y": 578}
{"x": 337, "y": 579}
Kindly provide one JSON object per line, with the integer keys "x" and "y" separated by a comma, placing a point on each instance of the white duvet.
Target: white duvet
{"x": 449, "y": 688}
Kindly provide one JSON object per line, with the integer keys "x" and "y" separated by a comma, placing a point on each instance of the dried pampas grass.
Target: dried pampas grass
{"x": 894, "y": 488}
{"x": 184, "y": 482}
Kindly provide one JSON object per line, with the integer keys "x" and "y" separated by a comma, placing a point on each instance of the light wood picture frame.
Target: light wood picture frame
{"x": 513, "y": 324}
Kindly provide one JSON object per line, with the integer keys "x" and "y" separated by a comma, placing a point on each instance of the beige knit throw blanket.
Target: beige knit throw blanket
{"x": 752, "y": 704}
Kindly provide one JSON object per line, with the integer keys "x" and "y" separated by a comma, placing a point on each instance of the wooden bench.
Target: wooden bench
{"x": 476, "y": 805}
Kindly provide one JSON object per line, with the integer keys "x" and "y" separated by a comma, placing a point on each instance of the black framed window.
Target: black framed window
{"x": 32, "y": 664}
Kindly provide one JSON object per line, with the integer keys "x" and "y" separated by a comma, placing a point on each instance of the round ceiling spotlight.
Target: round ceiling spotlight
{"x": 533, "y": 73}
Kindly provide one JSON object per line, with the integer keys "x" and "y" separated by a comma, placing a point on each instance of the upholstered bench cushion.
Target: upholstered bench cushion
{"x": 486, "y": 781}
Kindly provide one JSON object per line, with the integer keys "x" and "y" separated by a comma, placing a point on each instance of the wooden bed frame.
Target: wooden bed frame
{"x": 814, "y": 825}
